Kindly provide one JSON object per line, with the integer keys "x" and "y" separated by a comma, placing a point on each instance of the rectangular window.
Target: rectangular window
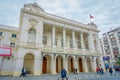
{"x": 79, "y": 46}
{"x": 0, "y": 33}
{"x": 12, "y": 44}
{"x": 14, "y": 35}
{"x": 71, "y": 44}
{"x": 44, "y": 40}
{"x": 61, "y": 42}
{"x": 56, "y": 41}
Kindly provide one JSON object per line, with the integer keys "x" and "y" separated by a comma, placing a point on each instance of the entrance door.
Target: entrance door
{"x": 71, "y": 65}
{"x": 80, "y": 65}
{"x": 44, "y": 66}
{"x": 59, "y": 64}
{"x": 29, "y": 63}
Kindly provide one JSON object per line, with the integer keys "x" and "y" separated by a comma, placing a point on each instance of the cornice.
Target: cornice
{"x": 8, "y": 28}
{"x": 55, "y": 18}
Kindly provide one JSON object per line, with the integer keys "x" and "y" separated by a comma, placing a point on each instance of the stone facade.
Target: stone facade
{"x": 46, "y": 43}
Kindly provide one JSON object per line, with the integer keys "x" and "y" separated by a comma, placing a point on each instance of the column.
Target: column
{"x": 75, "y": 63}
{"x": 82, "y": 41}
{"x": 53, "y": 37}
{"x": 64, "y": 38}
{"x": 39, "y": 35}
{"x": 73, "y": 39}
{"x": 37, "y": 64}
{"x": 65, "y": 63}
{"x": 53, "y": 64}
{"x": 84, "y": 61}
{"x": 99, "y": 47}
{"x": 91, "y": 43}
{"x": 93, "y": 64}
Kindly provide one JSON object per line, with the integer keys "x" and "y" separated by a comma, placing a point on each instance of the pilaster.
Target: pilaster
{"x": 91, "y": 42}
{"x": 85, "y": 67}
{"x": 39, "y": 35}
{"x": 53, "y": 64}
{"x": 53, "y": 37}
{"x": 64, "y": 38}
{"x": 82, "y": 41}
{"x": 75, "y": 62}
{"x": 65, "y": 63}
{"x": 93, "y": 64}
{"x": 37, "y": 64}
{"x": 73, "y": 39}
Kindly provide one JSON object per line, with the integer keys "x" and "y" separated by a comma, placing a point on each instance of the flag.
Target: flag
{"x": 91, "y": 17}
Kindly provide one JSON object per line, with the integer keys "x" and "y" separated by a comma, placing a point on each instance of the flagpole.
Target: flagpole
{"x": 91, "y": 17}
{"x": 90, "y": 20}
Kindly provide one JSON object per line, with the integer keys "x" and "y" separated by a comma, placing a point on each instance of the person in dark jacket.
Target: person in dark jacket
{"x": 110, "y": 70}
{"x": 63, "y": 74}
{"x": 23, "y": 72}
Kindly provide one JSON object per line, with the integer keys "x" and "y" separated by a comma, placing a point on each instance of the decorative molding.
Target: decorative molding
{"x": 33, "y": 22}
{"x": 33, "y": 7}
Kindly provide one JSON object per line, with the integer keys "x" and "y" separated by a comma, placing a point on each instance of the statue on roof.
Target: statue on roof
{"x": 33, "y": 7}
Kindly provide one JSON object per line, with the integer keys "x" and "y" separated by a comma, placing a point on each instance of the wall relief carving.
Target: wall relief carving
{"x": 33, "y": 22}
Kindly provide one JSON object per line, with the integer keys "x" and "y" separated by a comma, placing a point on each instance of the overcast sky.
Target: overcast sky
{"x": 106, "y": 12}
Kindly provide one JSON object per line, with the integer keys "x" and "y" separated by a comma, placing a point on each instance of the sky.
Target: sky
{"x": 106, "y": 12}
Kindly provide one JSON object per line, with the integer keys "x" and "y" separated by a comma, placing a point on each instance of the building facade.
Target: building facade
{"x": 111, "y": 44}
{"x": 45, "y": 43}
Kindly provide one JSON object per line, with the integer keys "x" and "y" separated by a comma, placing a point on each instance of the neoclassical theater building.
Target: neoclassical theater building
{"x": 45, "y": 43}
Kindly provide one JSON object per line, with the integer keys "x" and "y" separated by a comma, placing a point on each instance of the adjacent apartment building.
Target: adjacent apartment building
{"x": 111, "y": 44}
{"x": 45, "y": 44}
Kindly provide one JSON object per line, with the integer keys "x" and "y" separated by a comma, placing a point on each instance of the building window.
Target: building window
{"x": 32, "y": 31}
{"x": 0, "y": 33}
{"x": 61, "y": 42}
{"x": 78, "y": 44}
{"x": 71, "y": 44}
{"x": 56, "y": 41}
{"x": 14, "y": 35}
{"x": 44, "y": 40}
{"x": 113, "y": 40}
{"x": 31, "y": 37}
{"x": 12, "y": 44}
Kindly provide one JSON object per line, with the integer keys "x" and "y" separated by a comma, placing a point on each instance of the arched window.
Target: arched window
{"x": 31, "y": 35}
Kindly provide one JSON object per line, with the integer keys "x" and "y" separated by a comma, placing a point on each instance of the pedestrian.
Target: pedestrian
{"x": 106, "y": 66}
{"x": 97, "y": 70}
{"x": 23, "y": 73}
{"x": 75, "y": 70}
{"x": 63, "y": 74}
{"x": 101, "y": 70}
{"x": 110, "y": 70}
